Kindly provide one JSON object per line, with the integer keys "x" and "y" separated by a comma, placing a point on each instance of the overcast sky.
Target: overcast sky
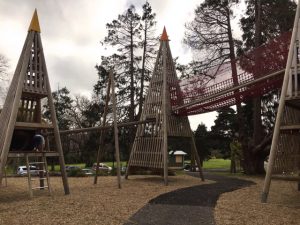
{"x": 71, "y": 32}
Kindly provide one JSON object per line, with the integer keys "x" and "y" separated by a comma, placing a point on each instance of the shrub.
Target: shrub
{"x": 77, "y": 172}
{"x": 102, "y": 173}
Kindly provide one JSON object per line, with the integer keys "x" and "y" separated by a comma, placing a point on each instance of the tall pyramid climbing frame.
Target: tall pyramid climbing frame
{"x": 150, "y": 147}
{"x": 21, "y": 117}
{"x": 284, "y": 158}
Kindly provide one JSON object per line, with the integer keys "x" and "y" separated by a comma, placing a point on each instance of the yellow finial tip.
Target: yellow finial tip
{"x": 164, "y": 36}
{"x": 35, "y": 25}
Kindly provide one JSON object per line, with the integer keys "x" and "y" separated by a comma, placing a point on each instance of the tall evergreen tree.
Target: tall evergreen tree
{"x": 225, "y": 128}
{"x": 132, "y": 38}
{"x": 124, "y": 35}
{"x": 276, "y": 17}
{"x": 148, "y": 44}
{"x": 202, "y": 142}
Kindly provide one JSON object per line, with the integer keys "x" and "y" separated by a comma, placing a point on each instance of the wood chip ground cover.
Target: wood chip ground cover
{"x": 106, "y": 204}
{"x": 103, "y": 203}
{"x": 243, "y": 207}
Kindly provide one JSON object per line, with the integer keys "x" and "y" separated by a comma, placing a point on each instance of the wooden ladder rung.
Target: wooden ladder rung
{"x": 43, "y": 178}
{"x": 42, "y": 167}
{"x": 33, "y": 163}
{"x": 39, "y": 170}
{"x": 35, "y": 188}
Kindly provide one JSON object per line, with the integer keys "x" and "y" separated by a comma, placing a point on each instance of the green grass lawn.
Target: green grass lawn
{"x": 216, "y": 164}
{"x": 209, "y": 164}
{"x": 82, "y": 165}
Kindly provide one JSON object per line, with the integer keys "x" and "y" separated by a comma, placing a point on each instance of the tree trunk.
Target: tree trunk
{"x": 141, "y": 98}
{"x": 240, "y": 116}
{"x": 254, "y": 162}
{"x": 257, "y": 122}
{"x": 131, "y": 109}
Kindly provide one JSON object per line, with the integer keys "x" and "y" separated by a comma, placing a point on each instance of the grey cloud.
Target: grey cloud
{"x": 72, "y": 73}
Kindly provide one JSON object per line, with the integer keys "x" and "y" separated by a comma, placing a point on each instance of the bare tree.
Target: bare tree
{"x": 210, "y": 36}
{"x": 210, "y": 33}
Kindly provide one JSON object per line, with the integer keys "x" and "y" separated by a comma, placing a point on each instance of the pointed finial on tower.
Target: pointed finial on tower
{"x": 164, "y": 36}
{"x": 35, "y": 25}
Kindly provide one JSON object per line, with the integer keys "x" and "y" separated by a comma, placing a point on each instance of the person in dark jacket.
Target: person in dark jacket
{"x": 38, "y": 143}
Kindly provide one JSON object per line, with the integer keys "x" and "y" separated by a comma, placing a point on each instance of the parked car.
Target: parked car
{"x": 68, "y": 168}
{"x": 188, "y": 167}
{"x": 123, "y": 169}
{"x": 102, "y": 167}
{"x": 22, "y": 170}
{"x": 88, "y": 172}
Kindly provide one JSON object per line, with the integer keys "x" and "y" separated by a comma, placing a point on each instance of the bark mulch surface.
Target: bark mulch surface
{"x": 243, "y": 206}
{"x": 187, "y": 206}
{"x": 103, "y": 203}
{"x": 145, "y": 200}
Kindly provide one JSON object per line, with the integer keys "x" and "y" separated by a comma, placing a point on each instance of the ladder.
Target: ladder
{"x": 42, "y": 170}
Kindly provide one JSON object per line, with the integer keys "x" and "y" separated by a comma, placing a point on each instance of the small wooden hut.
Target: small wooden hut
{"x": 176, "y": 159}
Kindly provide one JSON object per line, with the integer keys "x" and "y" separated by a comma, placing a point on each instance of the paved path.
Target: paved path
{"x": 187, "y": 206}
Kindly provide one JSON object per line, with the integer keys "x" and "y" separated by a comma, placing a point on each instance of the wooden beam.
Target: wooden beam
{"x": 117, "y": 150}
{"x": 32, "y": 154}
{"x": 102, "y": 131}
{"x": 54, "y": 122}
{"x": 164, "y": 112}
{"x": 32, "y": 126}
{"x": 103, "y": 128}
{"x": 290, "y": 127}
{"x": 17, "y": 85}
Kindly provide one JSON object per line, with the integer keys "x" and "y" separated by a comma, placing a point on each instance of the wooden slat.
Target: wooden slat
{"x": 290, "y": 127}
{"x": 32, "y": 126}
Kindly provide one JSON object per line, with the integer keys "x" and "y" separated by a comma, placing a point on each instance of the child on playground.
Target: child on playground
{"x": 38, "y": 142}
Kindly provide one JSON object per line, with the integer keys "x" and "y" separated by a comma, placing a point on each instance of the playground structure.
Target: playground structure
{"x": 150, "y": 147}
{"x": 285, "y": 149}
{"x": 21, "y": 115}
{"x": 167, "y": 104}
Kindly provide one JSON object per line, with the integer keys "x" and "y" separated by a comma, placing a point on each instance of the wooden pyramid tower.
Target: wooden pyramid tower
{"x": 20, "y": 118}
{"x": 284, "y": 158}
{"x": 150, "y": 147}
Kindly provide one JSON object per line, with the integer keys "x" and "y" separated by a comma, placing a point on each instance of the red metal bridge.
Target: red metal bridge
{"x": 259, "y": 72}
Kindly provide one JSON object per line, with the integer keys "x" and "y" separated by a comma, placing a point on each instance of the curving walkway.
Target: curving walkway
{"x": 187, "y": 206}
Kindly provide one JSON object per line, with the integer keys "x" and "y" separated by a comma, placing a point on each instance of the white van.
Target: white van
{"x": 22, "y": 170}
